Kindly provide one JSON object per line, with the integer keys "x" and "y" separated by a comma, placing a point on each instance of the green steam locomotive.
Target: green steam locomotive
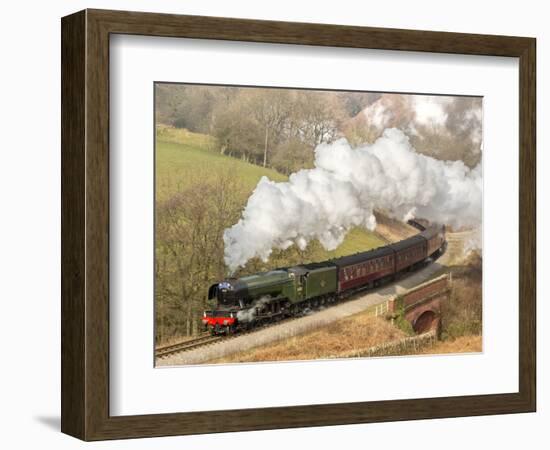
{"x": 254, "y": 300}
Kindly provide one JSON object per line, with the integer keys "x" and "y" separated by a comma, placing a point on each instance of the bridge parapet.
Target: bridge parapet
{"x": 421, "y": 305}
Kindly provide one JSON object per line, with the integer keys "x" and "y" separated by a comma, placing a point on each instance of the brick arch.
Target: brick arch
{"x": 430, "y": 307}
{"x": 426, "y": 321}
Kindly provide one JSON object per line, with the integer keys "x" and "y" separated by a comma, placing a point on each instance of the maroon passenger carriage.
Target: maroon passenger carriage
{"x": 435, "y": 238}
{"x": 409, "y": 252}
{"x": 364, "y": 270}
{"x": 371, "y": 268}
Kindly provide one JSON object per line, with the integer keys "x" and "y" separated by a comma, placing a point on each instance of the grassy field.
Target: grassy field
{"x": 182, "y": 156}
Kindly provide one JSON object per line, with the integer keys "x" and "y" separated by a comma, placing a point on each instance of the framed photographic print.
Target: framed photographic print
{"x": 272, "y": 225}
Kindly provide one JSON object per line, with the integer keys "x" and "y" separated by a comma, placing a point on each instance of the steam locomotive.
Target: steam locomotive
{"x": 254, "y": 300}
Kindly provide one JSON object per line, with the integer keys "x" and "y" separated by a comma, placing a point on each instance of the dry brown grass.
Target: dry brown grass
{"x": 462, "y": 313}
{"x": 354, "y": 333}
{"x": 393, "y": 230}
{"x": 463, "y": 344}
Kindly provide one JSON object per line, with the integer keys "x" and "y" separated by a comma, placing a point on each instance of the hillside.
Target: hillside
{"x": 180, "y": 153}
{"x": 198, "y": 194}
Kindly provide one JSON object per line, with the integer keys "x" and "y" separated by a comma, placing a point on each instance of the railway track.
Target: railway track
{"x": 189, "y": 344}
{"x": 207, "y": 339}
{"x": 201, "y": 341}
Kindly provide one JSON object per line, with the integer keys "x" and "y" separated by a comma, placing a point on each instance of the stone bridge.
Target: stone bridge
{"x": 421, "y": 305}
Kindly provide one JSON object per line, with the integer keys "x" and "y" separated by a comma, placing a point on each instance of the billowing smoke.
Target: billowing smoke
{"x": 344, "y": 189}
{"x": 446, "y": 125}
{"x": 473, "y": 242}
{"x": 248, "y": 315}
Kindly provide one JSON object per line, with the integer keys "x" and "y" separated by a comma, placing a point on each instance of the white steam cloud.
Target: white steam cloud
{"x": 344, "y": 189}
{"x": 457, "y": 118}
{"x": 248, "y": 315}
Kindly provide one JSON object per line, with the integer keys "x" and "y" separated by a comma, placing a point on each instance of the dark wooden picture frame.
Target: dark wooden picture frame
{"x": 85, "y": 224}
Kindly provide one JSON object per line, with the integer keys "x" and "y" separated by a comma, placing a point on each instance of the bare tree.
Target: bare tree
{"x": 319, "y": 116}
{"x": 189, "y": 249}
{"x": 270, "y": 108}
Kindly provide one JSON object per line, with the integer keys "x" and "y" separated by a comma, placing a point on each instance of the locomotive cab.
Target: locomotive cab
{"x": 228, "y": 292}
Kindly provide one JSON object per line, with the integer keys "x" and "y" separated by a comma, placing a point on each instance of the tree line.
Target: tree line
{"x": 280, "y": 128}
{"x": 276, "y": 128}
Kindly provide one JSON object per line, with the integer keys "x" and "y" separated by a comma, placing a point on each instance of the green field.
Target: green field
{"x": 181, "y": 156}
{"x": 178, "y": 164}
